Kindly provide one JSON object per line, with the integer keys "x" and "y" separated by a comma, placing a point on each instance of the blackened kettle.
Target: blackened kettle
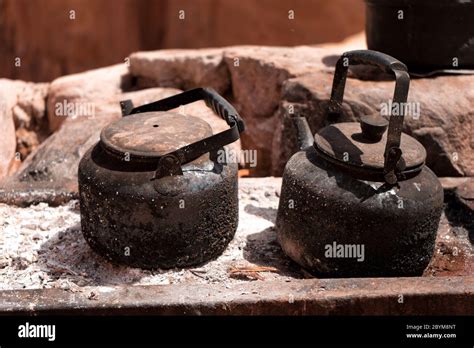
{"x": 358, "y": 199}
{"x": 154, "y": 192}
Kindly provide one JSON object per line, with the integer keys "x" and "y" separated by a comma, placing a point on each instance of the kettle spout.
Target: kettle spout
{"x": 305, "y": 137}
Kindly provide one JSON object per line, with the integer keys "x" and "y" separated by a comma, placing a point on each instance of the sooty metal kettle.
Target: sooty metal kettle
{"x": 153, "y": 191}
{"x": 358, "y": 200}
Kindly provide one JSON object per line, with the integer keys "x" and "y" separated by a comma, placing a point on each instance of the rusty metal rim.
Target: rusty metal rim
{"x": 356, "y": 296}
{"x": 119, "y": 151}
{"x": 209, "y": 144}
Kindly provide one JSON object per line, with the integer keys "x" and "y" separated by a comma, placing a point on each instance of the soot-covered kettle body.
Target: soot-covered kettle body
{"x": 358, "y": 200}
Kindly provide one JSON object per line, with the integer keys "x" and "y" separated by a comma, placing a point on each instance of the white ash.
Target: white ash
{"x": 43, "y": 247}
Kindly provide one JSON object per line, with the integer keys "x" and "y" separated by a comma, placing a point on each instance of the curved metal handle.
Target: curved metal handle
{"x": 212, "y": 99}
{"x": 402, "y": 84}
{"x": 170, "y": 163}
{"x": 222, "y": 107}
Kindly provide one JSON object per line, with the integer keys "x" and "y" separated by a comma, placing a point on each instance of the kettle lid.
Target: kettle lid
{"x": 363, "y": 145}
{"x": 151, "y": 135}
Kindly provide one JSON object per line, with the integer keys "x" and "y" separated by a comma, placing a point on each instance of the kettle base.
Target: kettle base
{"x": 335, "y": 225}
{"x": 176, "y": 221}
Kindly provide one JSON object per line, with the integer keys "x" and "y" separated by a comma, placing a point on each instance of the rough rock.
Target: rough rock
{"x": 465, "y": 196}
{"x": 452, "y": 183}
{"x": 23, "y": 121}
{"x": 7, "y": 127}
{"x": 257, "y": 76}
{"x": 88, "y": 90}
{"x": 183, "y": 69}
{"x": 30, "y": 119}
{"x": 258, "y": 72}
{"x": 444, "y": 126}
{"x": 270, "y": 83}
{"x": 255, "y": 73}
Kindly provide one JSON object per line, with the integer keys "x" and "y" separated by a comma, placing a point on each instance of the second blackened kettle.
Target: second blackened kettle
{"x": 358, "y": 200}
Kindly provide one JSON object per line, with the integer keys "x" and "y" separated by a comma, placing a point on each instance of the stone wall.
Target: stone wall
{"x": 53, "y": 41}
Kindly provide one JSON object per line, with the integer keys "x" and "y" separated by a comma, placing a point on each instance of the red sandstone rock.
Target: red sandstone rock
{"x": 7, "y": 128}
{"x": 30, "y": 117}
{"x": 85, "y": 90}
{"x": 257, "y": 74}
{"x": 266, "y": 81}
{"x": 183, "y": 69}
{"x": 465, "y": 196}
{"x": 23, "y": 121}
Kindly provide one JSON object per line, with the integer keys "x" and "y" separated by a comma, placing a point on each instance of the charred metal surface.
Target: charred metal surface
{"x": 153, "y": 134}
{"x": 152, "y": 193}
{"x": 346, "y": 139}
{"x": 426, "y": 38}
{"x": 465, "y": 194}
{"x": 174, "y": 221}
{"x": 460, "y": 207}
{"x": 320, "y": 205}
{"x": 393, "y": 162}
{"x": 373, "y": 127}
{"x": 364, "y": 296}
{"x": 360, "y": 202}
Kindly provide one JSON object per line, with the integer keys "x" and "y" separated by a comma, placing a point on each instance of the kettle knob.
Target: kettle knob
{"x": 373, "y": 127}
